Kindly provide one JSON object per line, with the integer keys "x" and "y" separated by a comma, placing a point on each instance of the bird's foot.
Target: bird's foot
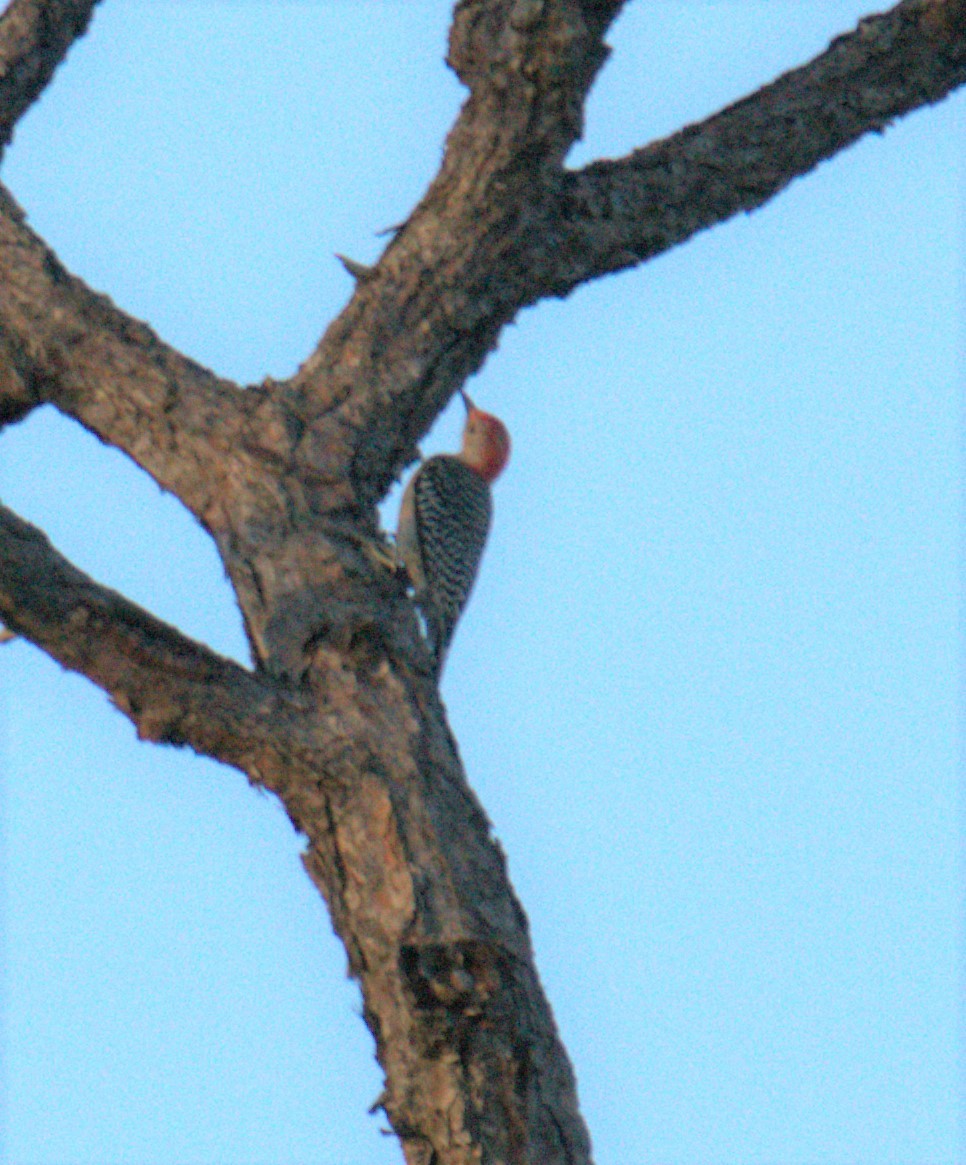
{"x": 379, "y": 552}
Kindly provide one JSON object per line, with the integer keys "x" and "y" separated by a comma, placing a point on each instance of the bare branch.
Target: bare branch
{"x": 174, "y": 690}
{"x": 616, "y": 214}
{"x": 62, "y": 343}
{"x": 35, "y": 36}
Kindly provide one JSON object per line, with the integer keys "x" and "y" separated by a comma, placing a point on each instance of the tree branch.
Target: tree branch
{"x": 174, "y": 690}
{"x": 35, "y": 36}
{"x": 616, "y": 214}
{"x": 64, "y": 344}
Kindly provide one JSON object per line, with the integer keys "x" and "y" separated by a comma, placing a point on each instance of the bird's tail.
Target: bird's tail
{"x": 438, "y": 642}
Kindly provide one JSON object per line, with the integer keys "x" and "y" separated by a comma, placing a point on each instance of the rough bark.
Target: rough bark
{"x": 35, "y": 37}
{"x": 340, "y": 718}
{"x": 617, "y": 213}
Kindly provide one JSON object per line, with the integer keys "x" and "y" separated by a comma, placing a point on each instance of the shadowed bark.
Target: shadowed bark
{"x": 35, "y": 38}
{"x": 340, "y": 717}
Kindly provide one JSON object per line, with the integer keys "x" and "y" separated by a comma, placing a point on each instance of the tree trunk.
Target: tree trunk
{"x": 340, "y": 716}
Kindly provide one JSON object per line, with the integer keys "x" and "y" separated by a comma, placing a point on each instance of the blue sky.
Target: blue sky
{"x": 709, "y": 684}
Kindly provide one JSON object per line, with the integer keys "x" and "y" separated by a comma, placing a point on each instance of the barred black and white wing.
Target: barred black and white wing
{"x": 453, "y": 508}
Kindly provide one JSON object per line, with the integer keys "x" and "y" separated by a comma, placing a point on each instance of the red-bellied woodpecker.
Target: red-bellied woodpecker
{"x": 444, "y": 521}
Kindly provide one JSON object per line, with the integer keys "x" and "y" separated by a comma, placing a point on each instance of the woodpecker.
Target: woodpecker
{"x": 443, "y": 523}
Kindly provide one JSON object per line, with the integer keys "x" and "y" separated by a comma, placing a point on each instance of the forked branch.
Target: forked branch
{"x": 505, "y": 224}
